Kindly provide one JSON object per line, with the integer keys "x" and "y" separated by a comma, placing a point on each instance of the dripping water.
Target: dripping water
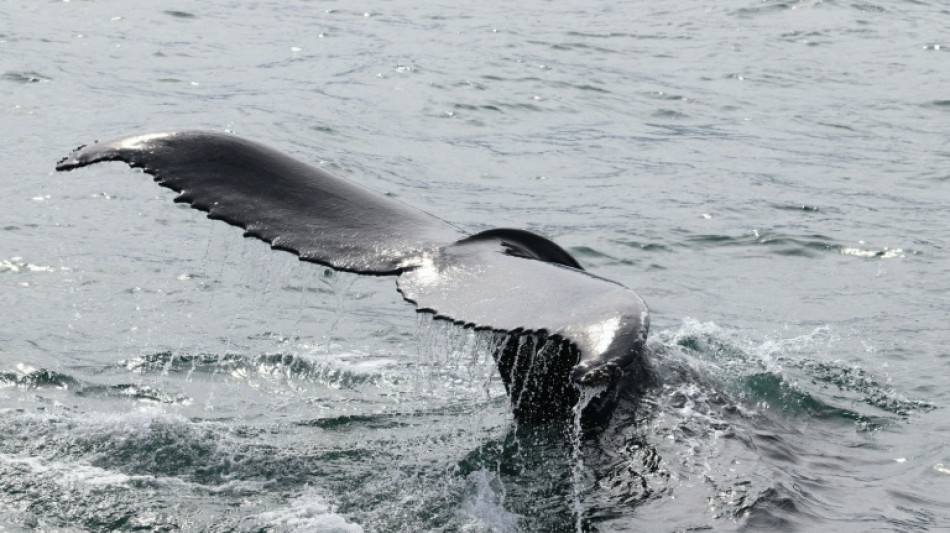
{"x": 577, "y": 460}
{"x": 460, "y": 357}
{"x": 341, "y": 285}
{"x": 512, "y": 375}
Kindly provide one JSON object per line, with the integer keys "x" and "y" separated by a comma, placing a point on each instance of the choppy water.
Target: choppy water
{"x": 773, "y": 177}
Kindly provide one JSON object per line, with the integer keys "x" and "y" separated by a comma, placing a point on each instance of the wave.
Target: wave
{"x": 786, "y": 374}
{"x": 794, "y": 245}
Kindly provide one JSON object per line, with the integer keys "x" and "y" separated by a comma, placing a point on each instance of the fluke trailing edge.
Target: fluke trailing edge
{"x": 586, "y": 331}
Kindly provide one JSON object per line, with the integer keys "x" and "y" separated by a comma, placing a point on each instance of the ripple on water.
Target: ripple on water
{"x": 180, "y": 14}
{"x": 24, "y": 77}
{"x": 111, "y": 472}
{"x": 780, "y": 244}
{"x": 808, "y": 245}
{"x": 39, "y": 379}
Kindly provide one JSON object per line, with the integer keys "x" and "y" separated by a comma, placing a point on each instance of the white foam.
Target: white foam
{"x": 308, "y": 512}
{"x": 68, "y": 474}
{"x": 18, "y": 264}
{"x": 886, "y": 253}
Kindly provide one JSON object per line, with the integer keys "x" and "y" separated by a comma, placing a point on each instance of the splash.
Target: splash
{"x": 483, "y": 507}
{"x": 788, "y": 374}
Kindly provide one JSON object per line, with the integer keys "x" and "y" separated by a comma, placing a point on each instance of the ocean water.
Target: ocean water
{"x": 773, "y": 177}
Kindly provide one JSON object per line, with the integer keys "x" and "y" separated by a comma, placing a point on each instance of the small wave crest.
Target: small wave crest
{"x": 786, "y": 374}
{"x": 335, "y": 374}
{"x": 43, "y": 378}
{"x": 800, "y": 245}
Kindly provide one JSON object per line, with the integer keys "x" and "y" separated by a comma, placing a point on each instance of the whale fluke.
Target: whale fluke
{"x": 278, "y": 199}
{"x": 592, "y": 330}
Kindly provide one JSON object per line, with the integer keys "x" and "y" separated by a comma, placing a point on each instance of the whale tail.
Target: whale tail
{"x": 504, "y": 280}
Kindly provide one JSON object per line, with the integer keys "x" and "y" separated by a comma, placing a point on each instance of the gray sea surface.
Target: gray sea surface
{"x": 773, "y": 177}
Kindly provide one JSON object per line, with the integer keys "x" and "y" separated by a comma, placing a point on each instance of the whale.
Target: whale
{"x": 563, "y": 334}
